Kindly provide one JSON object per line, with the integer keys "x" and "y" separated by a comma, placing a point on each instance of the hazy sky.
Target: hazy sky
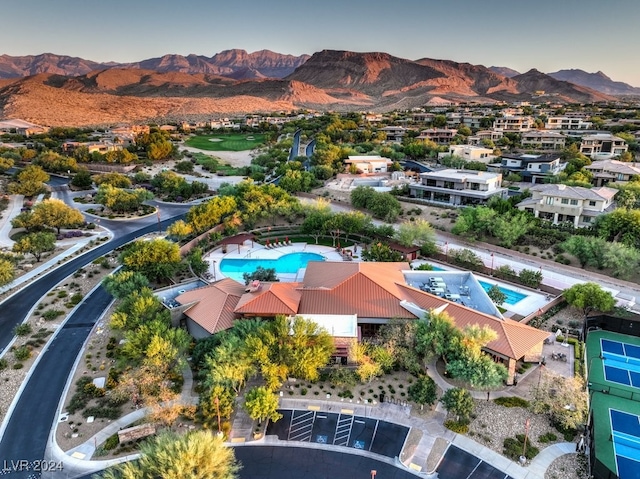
{"x": 545, "y": 34}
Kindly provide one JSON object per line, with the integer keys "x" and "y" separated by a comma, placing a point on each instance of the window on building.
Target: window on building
{"x": 549, "y": 200}
{"x": 586, "y": 219}
{"x": 565, "y": 201}
{"x": 450, "y": 185}
{"x": 592, "y": 203}
{"x": 573, "y": 202}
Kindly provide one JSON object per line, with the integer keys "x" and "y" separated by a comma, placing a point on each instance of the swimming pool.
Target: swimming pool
{"x": 287, "y": 263}
{"x": 512, "y": 296}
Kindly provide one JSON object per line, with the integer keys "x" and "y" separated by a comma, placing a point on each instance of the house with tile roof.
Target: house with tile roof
{"x": 606, "y": 171}
{"x": 356, "y": 297}
{"x": 574, "y": 204}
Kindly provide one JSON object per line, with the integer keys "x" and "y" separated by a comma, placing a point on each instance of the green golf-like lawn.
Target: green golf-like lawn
{"x": 227, "y": 142}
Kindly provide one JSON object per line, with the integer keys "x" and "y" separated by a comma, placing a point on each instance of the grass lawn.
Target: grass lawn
{"x": 227, "y": 142}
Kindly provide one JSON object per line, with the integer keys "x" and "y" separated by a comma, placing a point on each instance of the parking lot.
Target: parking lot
{"x": 340, "y": 429}
{"x": 459, "y": 464}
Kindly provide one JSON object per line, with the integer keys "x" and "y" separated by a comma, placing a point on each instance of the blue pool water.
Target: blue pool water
{"x": 512, "y": 296}
{"x": 288, "y": 263}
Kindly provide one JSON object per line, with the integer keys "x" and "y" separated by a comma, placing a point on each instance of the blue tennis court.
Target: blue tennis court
{"x": 625, "y": 432}
{"x": 619, "y": 351}
{"x": 621, "y": 362}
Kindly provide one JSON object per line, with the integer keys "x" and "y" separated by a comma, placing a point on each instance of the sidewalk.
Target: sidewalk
{"x": 13, "y": 209}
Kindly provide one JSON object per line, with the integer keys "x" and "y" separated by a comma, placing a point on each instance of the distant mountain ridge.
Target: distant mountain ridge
{"x": 597, "y": 81}
{"x": 505, "y": 71}
{"x": 177, "y": 88}
{"x": 237, "y": 64}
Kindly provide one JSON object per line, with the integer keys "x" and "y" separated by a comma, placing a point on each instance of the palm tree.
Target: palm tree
{"x": 195, "y": 455}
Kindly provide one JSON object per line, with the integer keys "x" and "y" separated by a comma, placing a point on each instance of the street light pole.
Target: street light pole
{"x": 373, "y": 473}
{"x": 491, "y": 274}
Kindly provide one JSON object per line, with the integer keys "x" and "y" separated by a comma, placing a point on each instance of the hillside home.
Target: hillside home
{"x": 458, "y": 187}
{"x": 456, "y": 119}
{"x": 602, "y": 146}
{"x": 514, "y": 124}
{"x": 543, "y": 140}
{"x": 532, "y": 168}
{"x": 394, "y": 133}
{"x": 482, "y": 135}
{"x": 441, "y": 136}
{"x": 369, "y": 164}
{"x": 569, "y": 204}
{"x": 470, "y": 153}
{"x": 352, "y": 300}
{"x": 567, "y": 123}
{"x": 21, "y": 127}
{"x": 606, "y": 171}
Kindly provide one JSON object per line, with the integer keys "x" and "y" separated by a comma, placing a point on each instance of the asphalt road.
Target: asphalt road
{"x": 15, "y": 308}
{"x": 271, "y": 462}
{"x": 27, "y": 431}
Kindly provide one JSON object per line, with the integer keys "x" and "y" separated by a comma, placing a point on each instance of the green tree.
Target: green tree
{"x": 436, "y": 335}
{"x": 120, "y": 200}
{"x": 56, "y": 214}
{"x": 5, "y": 164}
{"x": 589, "y": 297}
{"x": 587, "y": 250}
{"x": 261, "y": 274}
{"x": 418, "y": 232}
{"x": 475, "y": 222}
{"x": 459, "y": 402}
{"x": 261, "y": 404}
{"x": 194, "y": 455}
{"x": 7, "y": 272}
{"x": 138, "y": 308}
{"x": 381, "y": 252}
{"x": 123, "y": 283}
{"x": 35, "y": 244}
{"x": 565, "y": 399}
{"x": 622, "y": 259}
{"x": 423, "y": 391}
{"x": 315, "y": 219}
{"x": 115, "y": 179}
{"x": 290, "y": 348}
{"x": 510, "y": 228}
{"x": 31, "y": 181}
{"x": 158, "y": 259}
{"x": 496, "y": 295}
{"x": 82, "y": 179}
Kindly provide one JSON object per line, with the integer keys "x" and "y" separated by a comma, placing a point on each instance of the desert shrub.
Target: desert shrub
{"x": 51, "y": 314}
{"x": 513, "y": 448}
{"x": 3, "y": 363}
{"x": 18, "y": 366}
{"x": 461, "y": 427}
{"x": 547, "y": 437}
{"x": 111, "y": 442}
{"x": 102, "y": 411}
{"x": 22, "y": 329}
{"x": 22, "y": 353}
{"x": 511, "y": 401}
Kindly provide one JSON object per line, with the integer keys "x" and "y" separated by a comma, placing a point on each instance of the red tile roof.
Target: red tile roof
{"x": 213, "y": 305}
{"x": 271, "y": 299}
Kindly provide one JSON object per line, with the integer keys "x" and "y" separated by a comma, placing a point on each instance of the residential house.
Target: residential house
{"x": 606, "y": 171}
{"x": 533, "y": 168}
{"x": 569, "y": 204}
{"x": 470, "y": 153}
{"x": 369, "y": 164}
{"x": 394, "y": 133}
{"x": 602, "y": 146}
{"x": 441, "y": 136}
{"x": 458, "y": 187}
{"x": 543, "y": 140}
{"x": 21, "y": 127}
{"x": 482, "y": 135}
{"x": 352, "y": 300}
{"x": 567, "y": 123}
{"x": 516, "y": 124}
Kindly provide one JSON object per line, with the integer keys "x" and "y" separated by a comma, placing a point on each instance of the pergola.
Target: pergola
{"x": 238, "y": 239}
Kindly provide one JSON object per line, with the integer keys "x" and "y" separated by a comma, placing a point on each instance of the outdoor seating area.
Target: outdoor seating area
{"x": 269, "y": 244}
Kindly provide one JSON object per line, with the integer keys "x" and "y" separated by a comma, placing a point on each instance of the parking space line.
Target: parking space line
{"x": 343, "y": 430}
{"x": 474, "y": 469}
{"x": 373, "y": 438}
{"x": 301, "y": 426}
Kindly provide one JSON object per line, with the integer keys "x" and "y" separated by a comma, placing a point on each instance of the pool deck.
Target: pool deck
{"x": 246, "y": 251}
{"x": 531, "y": 303}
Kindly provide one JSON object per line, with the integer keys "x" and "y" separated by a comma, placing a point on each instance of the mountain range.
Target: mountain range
{"x": 60, "y": 90}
